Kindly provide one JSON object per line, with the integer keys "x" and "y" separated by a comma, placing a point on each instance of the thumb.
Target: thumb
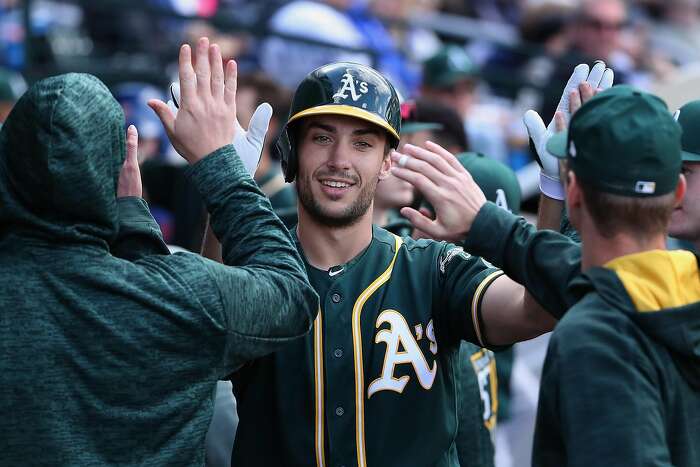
{"x": 259, "y": 122}
{"x": 534, "y": 125}
{"x": 419, "y": 221}
{"x": 164, "y": 114}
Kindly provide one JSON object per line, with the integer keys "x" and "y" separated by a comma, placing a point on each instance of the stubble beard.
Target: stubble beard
{"x": 349, "y": 216}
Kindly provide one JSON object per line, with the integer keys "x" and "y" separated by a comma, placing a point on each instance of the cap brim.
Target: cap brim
{"x": 347, "y": 110}
{"x": 556, "y": 145}
{"x": 690, "y": 156}
{"x": 408, "y": 128}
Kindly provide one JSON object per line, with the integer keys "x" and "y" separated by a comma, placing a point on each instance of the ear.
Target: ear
{"x": 680, "y": 190}
{"x": 574, "y": 195}
{"x": 385, "y": 169}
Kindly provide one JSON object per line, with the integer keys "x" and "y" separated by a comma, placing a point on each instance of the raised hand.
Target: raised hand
{"x": 206, "y": 119}
{"x": 446, "y": 185}
{"x": 129, "y": 183}
{"x": 583, "y": 84}
{"x": 248, "y": 144}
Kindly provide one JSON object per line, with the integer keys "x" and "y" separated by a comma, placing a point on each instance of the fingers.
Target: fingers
{"x": 577, "y": 77}
{"x": 574, "y": 102}
{"x": 534, "y": 125}
{"x": 201, "y": 67}
{"x": 259, "y": 122}
{"x": 436, "y": 161}
{"x": 421, "y": 161}
{"x": 164, "y": 114}
{"x": 231, "y": 83}
{"x": 606, "y": 81}
{"x": 559, "y": 122}
{"x": 596, "y": 74}
{"x": 132, "y": 145}
{"x": 445, "y": 154}
{"x": 421, "y": 222}
{"x": 217, "y": 71}
{"x": 188, "y": 80}
{"x": 428, "y": 188}
{"x": 586, "y": 92}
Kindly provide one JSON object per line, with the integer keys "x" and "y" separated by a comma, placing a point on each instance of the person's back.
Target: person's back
{"x": 635, "y": 332}
{"x": 115, "y": 361}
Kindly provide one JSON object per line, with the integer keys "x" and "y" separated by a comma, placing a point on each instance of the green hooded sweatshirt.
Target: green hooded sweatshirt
{"x": 621, "y": 381}
{"x": 107, "y": 360}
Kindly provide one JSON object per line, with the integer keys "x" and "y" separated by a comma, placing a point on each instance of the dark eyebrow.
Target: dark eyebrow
{"x": 331, "y": 129}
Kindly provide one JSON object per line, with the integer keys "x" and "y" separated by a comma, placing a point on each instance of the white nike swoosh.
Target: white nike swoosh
{"x": 334, "y": 273}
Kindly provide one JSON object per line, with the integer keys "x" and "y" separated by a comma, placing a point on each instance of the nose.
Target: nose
{"x": 339, "y": 157}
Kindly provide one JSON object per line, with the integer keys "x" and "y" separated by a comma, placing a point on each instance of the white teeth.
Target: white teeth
{"x": 334, "y": 184}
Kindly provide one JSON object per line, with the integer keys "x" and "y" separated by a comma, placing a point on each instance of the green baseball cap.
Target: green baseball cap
{"x": 623, "y": 141}
{"x": 688, "y": 118}
{"x": 12, "y": 85}
{"x": 447, "y": 67}
{"x": 498, "y": 182}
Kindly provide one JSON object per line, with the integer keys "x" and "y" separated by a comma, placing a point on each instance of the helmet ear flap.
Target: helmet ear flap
{"x": 285, "y": 149}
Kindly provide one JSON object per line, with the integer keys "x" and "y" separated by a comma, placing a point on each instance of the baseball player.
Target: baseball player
{"x": 685, "y": 220}
{"x": 374, "y": 384}
{"x": 621, "y": 381}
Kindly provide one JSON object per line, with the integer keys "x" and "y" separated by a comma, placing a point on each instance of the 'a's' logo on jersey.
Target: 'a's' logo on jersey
{"x": 402, "y": 348}
{"x": 348, "y": 85}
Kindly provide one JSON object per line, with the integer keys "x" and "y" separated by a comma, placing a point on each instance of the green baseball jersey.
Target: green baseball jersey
{"x": 375, "y": 382}
{"x": 477, "y": 406}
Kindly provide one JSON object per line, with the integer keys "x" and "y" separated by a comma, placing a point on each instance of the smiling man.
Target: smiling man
{"x": 374, "y": 384}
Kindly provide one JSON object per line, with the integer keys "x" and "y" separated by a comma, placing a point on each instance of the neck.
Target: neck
{"x": 325, "y": 247}
{"x": 380, "y": 215}
{"x": 597, "y": 250}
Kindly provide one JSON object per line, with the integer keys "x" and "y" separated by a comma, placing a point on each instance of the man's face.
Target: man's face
{"x": 598, "y": 30}
{"x": 685, "y": 220}
{"x": 459, "y": 96}
{"x": 341, "y": 159}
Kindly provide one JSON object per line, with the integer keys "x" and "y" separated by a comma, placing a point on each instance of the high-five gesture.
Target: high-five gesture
{"x": 582, "y": 85}
{"x": 206, "y": 119}
{"x": 446, "y": 185}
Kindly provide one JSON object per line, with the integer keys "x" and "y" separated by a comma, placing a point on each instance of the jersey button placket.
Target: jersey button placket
{"x": 339, "y": 411}
{"x": 336, "y": 298}
{"x": 337, "y": 353}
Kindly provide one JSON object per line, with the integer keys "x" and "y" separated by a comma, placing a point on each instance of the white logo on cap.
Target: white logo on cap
{"x": 646, "y": 188}
{"x": 572, "y": 149}
{"x": 348, "y": 84}
{"x": 501, "y": 200}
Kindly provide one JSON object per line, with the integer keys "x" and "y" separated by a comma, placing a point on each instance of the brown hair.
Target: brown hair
{"x": 639, "y": 217}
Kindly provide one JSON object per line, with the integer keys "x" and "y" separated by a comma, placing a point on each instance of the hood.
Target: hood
{"x": 663, "y": 299}
{"x": 61, "y": 150}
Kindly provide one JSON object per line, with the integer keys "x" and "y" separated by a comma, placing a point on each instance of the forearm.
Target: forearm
{"x": 543, "y": 261}
{"x": 549, "y": 213}
{"x": 241, "y": 217}
{"x": 139, "y": 234}
{"x": 510, "y": 314}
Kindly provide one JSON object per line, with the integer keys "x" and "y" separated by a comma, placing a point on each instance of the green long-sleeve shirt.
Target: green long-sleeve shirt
{"x": 109, "y": 360}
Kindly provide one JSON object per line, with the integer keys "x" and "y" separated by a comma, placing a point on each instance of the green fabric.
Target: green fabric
{"x": 431, "y": 288}
{"x": 448, "y": 66}
{"x": 543, "y": 261}
{"x": 108, "y": 361}
{"x": 475, "y": 406}
{"x": 689, "y": 120}
{"x": 408, "y": 127}
{"x": 282, "y": 199}
{"x": 498, "y": 181}
{"x": 623, "y": 141}
{"x": 620, "y": 387}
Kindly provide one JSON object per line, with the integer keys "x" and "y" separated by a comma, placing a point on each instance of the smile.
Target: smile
{"x": 336, "y": 184}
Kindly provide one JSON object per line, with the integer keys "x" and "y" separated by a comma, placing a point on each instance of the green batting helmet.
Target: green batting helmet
{"x": 341, "y": 88}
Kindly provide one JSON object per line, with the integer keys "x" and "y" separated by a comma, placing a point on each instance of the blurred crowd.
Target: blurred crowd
{"x": 466, "y": 71}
